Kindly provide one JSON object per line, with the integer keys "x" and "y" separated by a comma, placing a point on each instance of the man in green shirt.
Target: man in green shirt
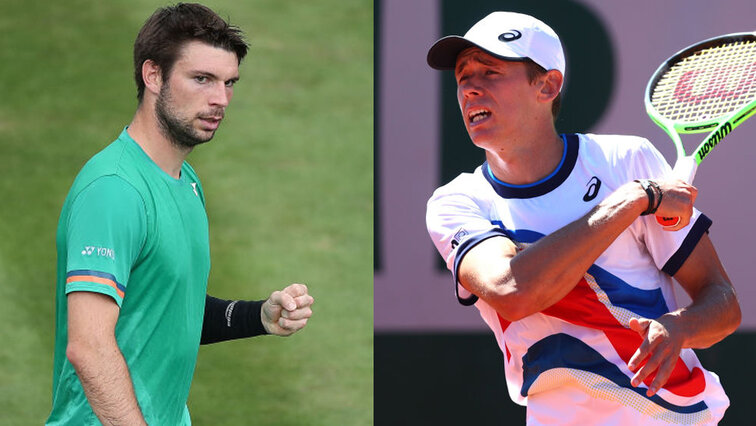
{"x": 133, "y": 246}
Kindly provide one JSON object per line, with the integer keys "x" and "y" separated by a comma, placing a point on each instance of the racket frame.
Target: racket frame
{"x": 686, "y": 166}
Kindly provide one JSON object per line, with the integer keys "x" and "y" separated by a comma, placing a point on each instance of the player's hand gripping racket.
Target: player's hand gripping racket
{"x": 707, "y": 87}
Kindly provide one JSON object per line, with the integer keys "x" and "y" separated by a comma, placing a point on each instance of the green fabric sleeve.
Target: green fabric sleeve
{"x": 107, "y": 227}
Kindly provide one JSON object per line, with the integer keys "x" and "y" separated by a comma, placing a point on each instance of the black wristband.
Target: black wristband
{"x": 648, "y": 186}
{"x": 659, "y": 194}
{"x": 231, "y": 319}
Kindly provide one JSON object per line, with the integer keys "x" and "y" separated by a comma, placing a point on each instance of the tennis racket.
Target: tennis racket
{"x": 707, "y": 87}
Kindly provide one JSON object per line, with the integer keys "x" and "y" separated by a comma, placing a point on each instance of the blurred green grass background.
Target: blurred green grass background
{"x": 288, "y": 181}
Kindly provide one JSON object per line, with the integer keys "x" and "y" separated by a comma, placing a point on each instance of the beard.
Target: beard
{"x": 178, "y": 130}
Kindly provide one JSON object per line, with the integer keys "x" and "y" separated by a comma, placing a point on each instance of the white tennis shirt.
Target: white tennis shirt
{"x": 568, "y": 363}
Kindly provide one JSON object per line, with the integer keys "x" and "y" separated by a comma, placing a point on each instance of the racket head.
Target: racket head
{"x": 700, "y": 86}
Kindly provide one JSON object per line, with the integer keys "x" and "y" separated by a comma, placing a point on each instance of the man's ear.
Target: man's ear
{"x": 152, "y": 76}
{"x": 551, "y": 84}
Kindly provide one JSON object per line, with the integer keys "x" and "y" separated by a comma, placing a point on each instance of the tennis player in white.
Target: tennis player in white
{"x": 554, "y": 240}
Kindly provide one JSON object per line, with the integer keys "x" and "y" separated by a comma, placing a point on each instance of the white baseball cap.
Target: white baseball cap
{"x": 506, "y": 35}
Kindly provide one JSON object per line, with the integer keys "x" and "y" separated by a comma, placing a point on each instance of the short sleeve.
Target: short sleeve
{"x": 668, "y": 249}
{"x": 456, "y": 223}
{"x": 105, "y": 233}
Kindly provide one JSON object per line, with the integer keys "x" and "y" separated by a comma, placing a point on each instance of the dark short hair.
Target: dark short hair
{"x": 533, "y": 71}
{"x": 165, "y": 32}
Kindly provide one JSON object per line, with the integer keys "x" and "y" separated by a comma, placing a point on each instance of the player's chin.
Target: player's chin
{"x": 204, "y": 134}
{"x": 480, "y": 139}
{"x": 479, "y": 133}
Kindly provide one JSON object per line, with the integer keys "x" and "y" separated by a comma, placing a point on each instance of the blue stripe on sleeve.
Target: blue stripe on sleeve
{"x": 463, "y": 249}
{"x": 697, "y": 231}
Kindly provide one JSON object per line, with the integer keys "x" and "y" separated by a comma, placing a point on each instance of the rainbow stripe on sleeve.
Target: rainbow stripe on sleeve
{"x": 97, "y": 277}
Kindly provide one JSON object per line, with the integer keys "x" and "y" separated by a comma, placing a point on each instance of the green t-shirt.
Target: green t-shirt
{"x": 131, "y": 231}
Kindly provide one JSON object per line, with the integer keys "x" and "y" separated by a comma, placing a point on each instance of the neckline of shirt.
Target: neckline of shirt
{"x": 168, "y": 178}
{"x": 543, "y": 186}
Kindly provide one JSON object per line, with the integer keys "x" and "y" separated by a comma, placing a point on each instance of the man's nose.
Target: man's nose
{"x": 470, "y": 87}
{"x": 221, "y": 95}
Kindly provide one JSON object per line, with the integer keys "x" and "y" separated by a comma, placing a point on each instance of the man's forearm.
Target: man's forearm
{"x": 550, "y": 268}
{"x": 107, "y": 384}
{"x": 712, "y": 316}
{"x": 542, "y": 274}
{"x": 714, "y": 311}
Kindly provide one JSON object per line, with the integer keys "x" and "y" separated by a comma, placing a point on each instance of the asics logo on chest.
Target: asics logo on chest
{"x": 593, "y": 189}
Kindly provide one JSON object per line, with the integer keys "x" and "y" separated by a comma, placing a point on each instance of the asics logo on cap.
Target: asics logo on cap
{"x": 510, "y": 35}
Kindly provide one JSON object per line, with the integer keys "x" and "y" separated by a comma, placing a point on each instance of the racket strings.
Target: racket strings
{"x": 708, "y": 84}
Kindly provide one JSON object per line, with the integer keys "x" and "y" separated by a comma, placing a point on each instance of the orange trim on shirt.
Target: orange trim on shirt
{"x": 97, "y": 280}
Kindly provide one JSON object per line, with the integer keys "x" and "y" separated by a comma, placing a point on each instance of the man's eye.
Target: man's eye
{"x": 230, "y": 83}
{"x": 491, "y": 72}
{"x": 200, "y": 79}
